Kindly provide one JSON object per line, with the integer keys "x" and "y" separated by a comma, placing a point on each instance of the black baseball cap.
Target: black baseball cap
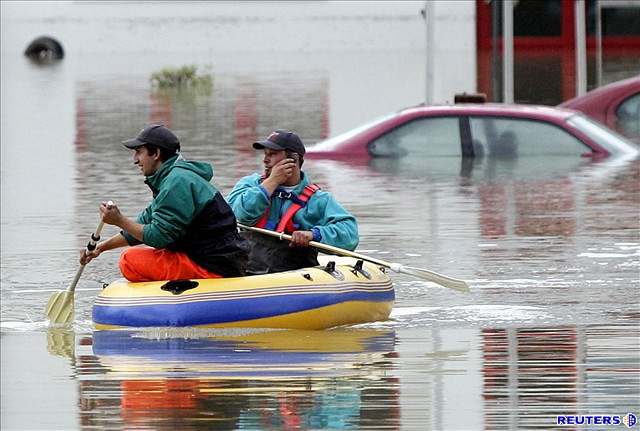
{"x": 281, "y": 140}
{"x": 155, "y": 134}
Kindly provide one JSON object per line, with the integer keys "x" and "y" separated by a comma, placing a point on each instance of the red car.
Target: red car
{"x": 617, "y": 105}
{"x": 475, "y": 130}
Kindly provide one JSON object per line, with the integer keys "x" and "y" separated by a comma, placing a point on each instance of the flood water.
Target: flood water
{"x": 550, "y": 247}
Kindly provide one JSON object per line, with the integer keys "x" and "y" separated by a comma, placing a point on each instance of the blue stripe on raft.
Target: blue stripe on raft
{"x": 224, "y": 311}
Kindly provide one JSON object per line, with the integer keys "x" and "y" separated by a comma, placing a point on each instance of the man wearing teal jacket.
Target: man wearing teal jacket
{"x": 188, "y": 228}
{"x": 270, "y": 201}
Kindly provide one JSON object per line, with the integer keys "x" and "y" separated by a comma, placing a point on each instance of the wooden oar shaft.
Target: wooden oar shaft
{"x": 317, "y": 245}
{"x": 91, "y": 245}
{"x": 74, "y": 283}
{"x": 60, "y": 308}
{"x": 425, "y": 274}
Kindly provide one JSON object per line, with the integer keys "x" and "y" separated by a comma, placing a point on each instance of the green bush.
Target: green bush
{"x": 183, "y": 77}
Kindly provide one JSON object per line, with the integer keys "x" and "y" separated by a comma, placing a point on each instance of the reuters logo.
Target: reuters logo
{"x": 629, "y": 420}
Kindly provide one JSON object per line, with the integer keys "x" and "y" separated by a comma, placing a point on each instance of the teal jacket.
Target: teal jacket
{"x": 323, "y": 215}
{"x": 188, "y": 214}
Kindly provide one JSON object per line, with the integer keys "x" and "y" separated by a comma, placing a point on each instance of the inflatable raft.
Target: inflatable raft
{"x": 341, "y": 292}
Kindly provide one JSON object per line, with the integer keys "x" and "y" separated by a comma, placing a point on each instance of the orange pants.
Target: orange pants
{"x": 143, "y": 263}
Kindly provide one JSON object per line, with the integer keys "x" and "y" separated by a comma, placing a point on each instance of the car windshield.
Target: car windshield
{"x": 606, "y": 138}
{"x": 328, "y": 144}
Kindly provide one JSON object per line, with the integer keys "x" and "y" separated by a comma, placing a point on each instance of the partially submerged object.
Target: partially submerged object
{"x": 44, "y": 49}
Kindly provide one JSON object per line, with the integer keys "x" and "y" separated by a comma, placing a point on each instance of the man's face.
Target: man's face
{"x": 271, "y": 157}
{"x": 147, "y": 163}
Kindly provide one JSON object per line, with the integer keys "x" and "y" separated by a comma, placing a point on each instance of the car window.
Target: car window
{"x": 421, "y": 137}
{"x": 513, "y": 137}
{"x": 613, "y": 142}
{"x": 628, "y": 114}
{"x": 332, "y": 143}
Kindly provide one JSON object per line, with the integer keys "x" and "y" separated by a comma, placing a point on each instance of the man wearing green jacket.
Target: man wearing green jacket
{"x": 188, "y": 230}
{"x": 283, "y": 199}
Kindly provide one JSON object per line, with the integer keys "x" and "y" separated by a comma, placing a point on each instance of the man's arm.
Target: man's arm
{"x": 115, "y": 241}
{"x": 336, "y": 226}
{"x": 280, "y": 174}
{"x": 249, "y": 200}
{"x": 169, "y": 215}
{"x": 112, "y": 215}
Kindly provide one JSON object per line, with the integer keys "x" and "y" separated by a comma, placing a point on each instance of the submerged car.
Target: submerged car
{"x": 617, "y": 105}
{"x": 477, "y": 130}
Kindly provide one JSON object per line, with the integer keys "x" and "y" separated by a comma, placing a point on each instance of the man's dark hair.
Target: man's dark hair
{"x": 165, "y": 153}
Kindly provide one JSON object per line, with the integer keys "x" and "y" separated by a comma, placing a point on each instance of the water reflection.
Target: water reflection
{"x": 507, "y": 378}
{"x": 217, "y": 127}
{"x": 536, "y": 197}
{"x": 531, "y": 375}
{"x": 254, "y": 380}
{"x": 61, "y": 342}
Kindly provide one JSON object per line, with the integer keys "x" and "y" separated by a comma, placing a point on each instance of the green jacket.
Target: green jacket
{"x": 188, "y": 214}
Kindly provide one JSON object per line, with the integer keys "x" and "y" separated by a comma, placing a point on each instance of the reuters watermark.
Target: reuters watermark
{"x": 629, "y": 420}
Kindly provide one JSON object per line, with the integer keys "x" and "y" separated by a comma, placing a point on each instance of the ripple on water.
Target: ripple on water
{"x": 480, "y": 315}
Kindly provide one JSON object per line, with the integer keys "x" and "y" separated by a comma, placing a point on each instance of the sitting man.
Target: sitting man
{"x": 283, "y": 199}
{"x": 190, "y": 228}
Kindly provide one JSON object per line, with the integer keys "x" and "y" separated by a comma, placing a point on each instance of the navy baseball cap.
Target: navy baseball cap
{"x": 281, "y": 140}
{"x": 155, "y": 134}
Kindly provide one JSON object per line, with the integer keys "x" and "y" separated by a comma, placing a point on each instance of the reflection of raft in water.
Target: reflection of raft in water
{"x": 205, "y": 350}
{"x": 348, "y": 292}
{"x": 231, "y": 360}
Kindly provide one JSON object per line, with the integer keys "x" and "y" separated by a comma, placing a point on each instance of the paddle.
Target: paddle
{"x": 60, "y": 306}
{"x": 434, "y": 277}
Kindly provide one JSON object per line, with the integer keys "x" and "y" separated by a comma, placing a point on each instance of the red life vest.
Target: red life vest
{"x": 286, "y": 221}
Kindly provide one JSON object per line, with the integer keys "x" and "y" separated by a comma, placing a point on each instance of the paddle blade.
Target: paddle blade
{"x": 60, "y": 307}
{"x": 434, "y": 277}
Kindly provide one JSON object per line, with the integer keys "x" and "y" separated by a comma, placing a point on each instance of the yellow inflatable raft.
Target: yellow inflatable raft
{"x": 343, "y": 291}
